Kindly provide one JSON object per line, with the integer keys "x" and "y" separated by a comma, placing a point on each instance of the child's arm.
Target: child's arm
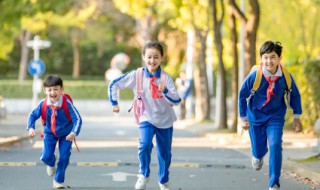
{"x": 169, "y": 91}
{"x": 295, "y": 104}
{"x": 244, "y": 93}
{"x": 127, "y": 80}
{"x": 76, "y": 120}
{"x": 33, "y": 117}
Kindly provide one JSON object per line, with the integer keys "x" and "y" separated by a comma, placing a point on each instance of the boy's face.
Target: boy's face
{"x": 271, "y": 61}
{"x": 152, "y": 59}
{"x": 53, "y": 93}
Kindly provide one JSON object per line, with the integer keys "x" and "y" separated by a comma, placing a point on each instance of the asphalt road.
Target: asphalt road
{"x": 108, "y": 160}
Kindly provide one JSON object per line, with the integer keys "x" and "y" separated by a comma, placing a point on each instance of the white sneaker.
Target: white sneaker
{"x": 51, "y": 170}
{"x": 275, "y": 187}
{"x": 164, "y": 186}
{"x": 256, "y": 163}
{"x": 57, "y": 185}
{"x": 141, "y": 182}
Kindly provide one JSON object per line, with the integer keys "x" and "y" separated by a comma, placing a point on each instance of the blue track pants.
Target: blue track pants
{"x": 48, "y": 157}
{"x": 164, "y": 142}
{"x": 260, "y": 136}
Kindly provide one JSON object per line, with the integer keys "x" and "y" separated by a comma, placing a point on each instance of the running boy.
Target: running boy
{"x": 264, "y": 111}
{"x": 157, "y": 118}
{"x": 58, "y": 128}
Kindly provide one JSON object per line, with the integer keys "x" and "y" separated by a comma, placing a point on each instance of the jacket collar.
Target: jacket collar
{"x": 157, "y": 74}
{"x": 58, "y": 103}
{"x": 266, "y": 73}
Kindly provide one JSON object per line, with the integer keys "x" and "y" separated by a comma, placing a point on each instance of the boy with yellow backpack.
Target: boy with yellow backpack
{"x": 262, "y": 108}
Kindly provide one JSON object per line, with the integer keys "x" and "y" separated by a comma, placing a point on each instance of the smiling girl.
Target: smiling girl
{"x": 157, "y": 118}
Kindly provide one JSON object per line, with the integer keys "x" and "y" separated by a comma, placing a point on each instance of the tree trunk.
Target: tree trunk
{"x": 25, "y": 36}
{"x": 201, "y": 80}
{"x": 250, "y": 33}
{"x": 221, "y": 99}
{"x": 235, "y": 71}
{"x": 76, "y": 57}
{"x": 147, "y": 29}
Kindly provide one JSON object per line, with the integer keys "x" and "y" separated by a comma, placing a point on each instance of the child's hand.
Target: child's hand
{"x": 32, "y": 133}
{"x": 116, "y": 109}
{"x": 245, "y": 125}
{"x": 162, "y": 87}
{"x": 70, "y": 137}
{"x": 297, "y": 125}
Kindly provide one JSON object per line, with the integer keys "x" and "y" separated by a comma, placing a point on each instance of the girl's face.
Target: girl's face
{"x": 152, "y": 58}
{"x": 271, "y": 61}
{"x": 53, "y": 93}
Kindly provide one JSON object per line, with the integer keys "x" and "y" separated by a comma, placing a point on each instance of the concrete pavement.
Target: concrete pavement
{"x": 297, "y": 148}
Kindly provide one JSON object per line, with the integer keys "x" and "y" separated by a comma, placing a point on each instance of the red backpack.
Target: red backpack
{"x": 64, "y": 106}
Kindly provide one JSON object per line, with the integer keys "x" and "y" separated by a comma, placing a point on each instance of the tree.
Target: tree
{"x": 301, "y": 40}
{"x": 194, "y": 15}
{"x": 251, "y": 27}
{"x": 150, "y": 15}
{"x": 21, "y": 19}
{"x": 235, "y": 68}
{"x": 221, "y": 97}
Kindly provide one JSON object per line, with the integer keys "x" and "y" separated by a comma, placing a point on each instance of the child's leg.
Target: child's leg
{"x": 258, "y": 137}
{"x": 164, "y": 142}
{"x": 275, "y": 161}
{"x": 47, "y": 155}
{"x": 65, "y": 147}
{"x": 146, "y": 133}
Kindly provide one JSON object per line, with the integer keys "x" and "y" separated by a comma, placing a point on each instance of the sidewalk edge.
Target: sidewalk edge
{"x": 301, "y": 170}
{"x": 13, "y": 140}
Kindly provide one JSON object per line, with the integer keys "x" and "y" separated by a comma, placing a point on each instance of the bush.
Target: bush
{"x": 307, "y": 78}
{"x": 80, "y": 89}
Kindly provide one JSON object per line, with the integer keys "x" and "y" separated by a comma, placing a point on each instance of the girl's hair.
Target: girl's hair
{"x": 153, "y": 44}
{"x": 270, "y": 46}
{"x": 52, "y": 80}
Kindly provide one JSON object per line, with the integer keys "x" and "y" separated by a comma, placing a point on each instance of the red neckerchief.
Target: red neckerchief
{"x": 53, "y": 118}
{"x": 155, "y": 92}
{"x": 270, "y": 89}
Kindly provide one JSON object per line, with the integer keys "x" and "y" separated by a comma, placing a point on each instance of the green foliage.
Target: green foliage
{"x": 59, "y": 60}
{"x": 13, "y": 13}
{"x": 307, "y": 78}
{"x": 80, "y": 89}
{"x": 296, "y": 27}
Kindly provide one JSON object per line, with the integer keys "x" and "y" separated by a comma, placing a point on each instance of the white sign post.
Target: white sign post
{"x": 36, "y": 69}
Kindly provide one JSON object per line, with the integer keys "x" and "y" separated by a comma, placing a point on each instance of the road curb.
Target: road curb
{"x": 11, "y": 140}
{"x": 301, "y": 169}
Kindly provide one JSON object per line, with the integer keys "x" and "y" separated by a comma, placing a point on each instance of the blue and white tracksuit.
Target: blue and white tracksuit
{"x": 157, "y": 119}
{"x": 266, "y": 123}
{"x": 63, "y": 128}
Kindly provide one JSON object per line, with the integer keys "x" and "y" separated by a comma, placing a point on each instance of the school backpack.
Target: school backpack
{"x": 64, "y": 106}
{"x": 257, "y": 81}
{"x": 138, "y": 105}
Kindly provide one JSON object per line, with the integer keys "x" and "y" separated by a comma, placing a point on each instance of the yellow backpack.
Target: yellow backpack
{"x": 257, "y": 82}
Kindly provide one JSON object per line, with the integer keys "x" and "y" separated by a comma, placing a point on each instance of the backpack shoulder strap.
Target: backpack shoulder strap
{"x": 163, "y": 77}
{"x": 257, "y": 80}
{"x": 139, "y": 80}
{"x": 65, "y": 105}
{"x": 287, "y": 77}
{"x": 44, "y": 111}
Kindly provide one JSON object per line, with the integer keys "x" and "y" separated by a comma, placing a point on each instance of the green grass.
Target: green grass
{"x": 79, "y": 89}
{"x": 310, "y": 159}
